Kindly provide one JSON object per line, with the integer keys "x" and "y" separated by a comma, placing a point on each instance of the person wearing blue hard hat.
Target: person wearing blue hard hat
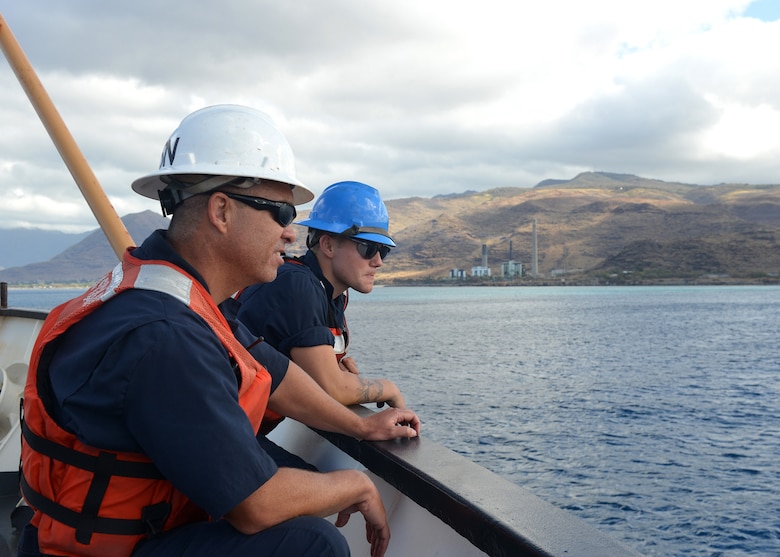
{"x": 301, "y": 313}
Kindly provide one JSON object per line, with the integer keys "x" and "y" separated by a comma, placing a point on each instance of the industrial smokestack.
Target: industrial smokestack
{"x": 534, "y": 254}
{"x": 510, "y": 250}
{"x": 484, "y": 255}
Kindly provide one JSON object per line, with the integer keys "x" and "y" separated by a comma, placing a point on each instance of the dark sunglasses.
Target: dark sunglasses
{"x": 368, "y": 250}
{"x": 283, "y": 212}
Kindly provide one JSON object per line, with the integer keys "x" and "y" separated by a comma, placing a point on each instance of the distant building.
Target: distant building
{"x": 457, "y": 273}
{"x": 511, "y": 269}
{"x": 562, "y": 272}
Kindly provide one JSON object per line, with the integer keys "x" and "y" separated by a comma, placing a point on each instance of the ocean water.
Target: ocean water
{"x": 40, "y": 298}
{"x": 653, "y": 413}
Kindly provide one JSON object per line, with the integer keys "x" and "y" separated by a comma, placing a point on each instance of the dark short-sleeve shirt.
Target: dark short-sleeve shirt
{"x": 144, "y": 373}
{"x": 295, "y": 310}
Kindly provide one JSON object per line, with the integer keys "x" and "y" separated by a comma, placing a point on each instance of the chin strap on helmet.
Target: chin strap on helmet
{"x": 354, "y": 230}
{"x": 169, "y": 200}
{"x": 177, "y": 190}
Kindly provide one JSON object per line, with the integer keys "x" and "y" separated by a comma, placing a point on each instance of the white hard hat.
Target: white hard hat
{"x": 214, "y": 146}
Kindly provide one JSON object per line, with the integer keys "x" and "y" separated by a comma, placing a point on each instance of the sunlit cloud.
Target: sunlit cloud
{"x": 416, "y": 98}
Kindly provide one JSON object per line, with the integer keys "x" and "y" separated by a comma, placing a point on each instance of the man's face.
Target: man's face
{"x": 352, "y": 269}
{"x": 260, "y": 239}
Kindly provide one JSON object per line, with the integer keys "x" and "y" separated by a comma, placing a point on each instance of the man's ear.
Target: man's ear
{"x": 219, "y": 211}
{"x": 327, "y": 244}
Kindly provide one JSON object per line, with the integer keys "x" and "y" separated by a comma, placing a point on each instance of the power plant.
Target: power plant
{"x": 509, "y": 268}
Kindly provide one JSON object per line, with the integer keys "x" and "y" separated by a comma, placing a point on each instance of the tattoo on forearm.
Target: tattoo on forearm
{"x": 370, "y": 390}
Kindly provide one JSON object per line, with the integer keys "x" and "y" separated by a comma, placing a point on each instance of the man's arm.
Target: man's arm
{"x": 301, "y": 398}
{"x": 348, "y": 388}
{"x": 291, "y": 493}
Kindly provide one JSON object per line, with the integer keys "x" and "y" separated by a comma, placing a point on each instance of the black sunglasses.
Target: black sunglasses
{"x": 368, "y": 250}
{"x": 283, "y": 212}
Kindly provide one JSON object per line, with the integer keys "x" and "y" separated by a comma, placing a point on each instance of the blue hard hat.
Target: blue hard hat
{"x": 352, "y": 209}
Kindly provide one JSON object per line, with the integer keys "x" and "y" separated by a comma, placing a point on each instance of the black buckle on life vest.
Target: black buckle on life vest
{"x": 154, "y": 517}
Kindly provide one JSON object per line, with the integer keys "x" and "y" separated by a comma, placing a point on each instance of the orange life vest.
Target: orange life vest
{"x": 93, "y": 502}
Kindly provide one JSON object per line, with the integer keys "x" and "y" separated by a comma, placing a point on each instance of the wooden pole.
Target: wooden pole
{"x": 104, "y": 212}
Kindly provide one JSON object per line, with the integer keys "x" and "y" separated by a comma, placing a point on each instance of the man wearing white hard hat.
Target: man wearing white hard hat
{"x": 145, "y": 393}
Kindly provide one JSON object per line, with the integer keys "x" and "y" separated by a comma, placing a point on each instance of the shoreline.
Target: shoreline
{"x": 453, "y": 283}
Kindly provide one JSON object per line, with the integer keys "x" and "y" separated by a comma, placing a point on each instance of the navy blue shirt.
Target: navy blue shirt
{"x": 144, "y": 373}
{"x": 295, "y": 310}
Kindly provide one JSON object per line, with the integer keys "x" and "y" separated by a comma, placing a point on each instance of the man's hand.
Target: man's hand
{"x": 393, "y": 393}
{"x": 291, "y": 492}
{"x": 377, "y": 529}
{"x": 348, "y": 364}
{"x": 299, "y": 397}
{"x": 390, "y": 424}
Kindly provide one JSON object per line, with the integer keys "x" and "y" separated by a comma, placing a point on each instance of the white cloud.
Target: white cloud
{"x": 743, "y": 132}
{"x": 416, "y": 98}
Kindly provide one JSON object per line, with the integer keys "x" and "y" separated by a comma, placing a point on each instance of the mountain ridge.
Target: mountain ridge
{"x": 86, "y": 260}
{"x": 597, "y": 226}
{"x": 22, "y": 246}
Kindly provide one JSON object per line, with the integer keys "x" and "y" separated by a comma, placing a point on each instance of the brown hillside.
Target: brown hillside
{"x": 596, "y": 222}
{"x": 595, "y": 226}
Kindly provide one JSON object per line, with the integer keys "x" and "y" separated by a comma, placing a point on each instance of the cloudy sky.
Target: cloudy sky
{"x": 416, "y": 97}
